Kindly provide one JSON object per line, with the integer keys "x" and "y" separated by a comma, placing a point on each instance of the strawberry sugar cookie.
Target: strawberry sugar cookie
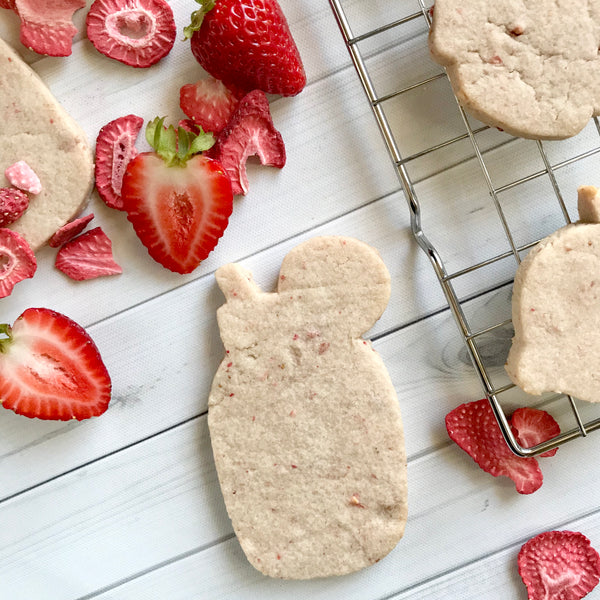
{"x": 529, "y": 68}
{"x": 304, "y": 420}
{"x": 37, "y": 131}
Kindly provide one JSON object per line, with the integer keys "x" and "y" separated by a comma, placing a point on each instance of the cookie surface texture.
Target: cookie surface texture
{"x": 36, "y": 129}
{"x": 529, "y": 68}
{"x": 304, "y": 420}
{"x": 556, "y": 311}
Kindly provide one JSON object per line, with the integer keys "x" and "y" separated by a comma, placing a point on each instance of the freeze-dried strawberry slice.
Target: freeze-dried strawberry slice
{"x": 533, "y": 426}
{"x": 559, "y": 565}
{"x": 474, "y": 428}
{"x": 9, "y": 4}
{"x": 250, "y": 132}
{"x": 209, "y": 103}
{"x": 13, "y": 203}
{"x": 67, "y": 232}
{"x": 22, "y": 176}
{"x": 46, "y": 25}
{"x": 137, "y": 33}
{"x": 115, "y": 147}
{"x": 17, "y": 261}
{"x": 87, "y": 256}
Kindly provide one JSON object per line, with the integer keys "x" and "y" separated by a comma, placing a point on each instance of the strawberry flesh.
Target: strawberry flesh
{"x": 247, "y": 43}
{"x": 209, "y": 103}
{"x": 13, "y": 203}
{"x": 474, "y": 428}
{"x": 50, "y": 368}
{"x": 115, "y": 148}
{"x": 250, "y": 132}
{"x": 532, "y": 427}
{"x": 87, "y": 256}
{"x": 17, "y": 261}
{"x": 46, "y": 25}
{"x": 559, "y": 565}
{"x": 137, "y": 33}
{"x": 69, "y": 231}
{"x": 23, "y": 177}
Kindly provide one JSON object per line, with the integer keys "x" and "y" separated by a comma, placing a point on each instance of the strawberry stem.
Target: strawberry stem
{"x": 197, "y": 17}
{"x": 176, "y": 146}
{"x": 5, "y": 336}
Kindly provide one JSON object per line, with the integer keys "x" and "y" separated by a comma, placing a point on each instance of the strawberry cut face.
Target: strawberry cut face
{"x": 51, "y": 369}
{"x": 178, "y": 212}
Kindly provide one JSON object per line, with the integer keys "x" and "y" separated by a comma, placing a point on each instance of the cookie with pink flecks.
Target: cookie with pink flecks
{"x": 53, "y": 162}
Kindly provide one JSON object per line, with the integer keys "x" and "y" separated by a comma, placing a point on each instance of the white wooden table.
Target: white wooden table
{"x": 127, "y": 506}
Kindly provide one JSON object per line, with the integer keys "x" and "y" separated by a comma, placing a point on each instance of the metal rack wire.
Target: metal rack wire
{"x": 471, "y": 334}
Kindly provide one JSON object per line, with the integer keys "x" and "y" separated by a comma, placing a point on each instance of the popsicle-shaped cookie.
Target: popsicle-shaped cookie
{"x": 304, "y": 420}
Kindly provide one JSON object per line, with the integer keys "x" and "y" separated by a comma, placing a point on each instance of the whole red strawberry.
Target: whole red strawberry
{"x": 247, "y": 43}
{"x": 177, "y": 200}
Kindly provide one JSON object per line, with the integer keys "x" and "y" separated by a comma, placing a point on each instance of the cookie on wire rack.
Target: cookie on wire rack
{"x": 531, "y": 69}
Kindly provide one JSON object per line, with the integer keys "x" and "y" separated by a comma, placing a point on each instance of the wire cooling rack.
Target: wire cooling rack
{"x": 551, "y": 159}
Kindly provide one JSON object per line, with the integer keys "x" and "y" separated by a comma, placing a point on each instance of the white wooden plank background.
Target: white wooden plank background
{"x": 127, "y": 506}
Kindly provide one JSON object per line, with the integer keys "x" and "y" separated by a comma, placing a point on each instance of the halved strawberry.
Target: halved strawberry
{"x": 46, "y": 25}
{"x": 209, "y": 103}
{"x": 17, "y": 261}
{"x": 559, "y": 565}
{"x": 13, "y": 203}
{"x": 68, "y": 231}
{"x": 177, "y": 200}
{"x": 87, "y": 256}
{"x": 137, "y": 33}
{"x": 250, "y": 132}
{"x": 115, "y": 148}
{"x": 533, "y": 426}
{"x": 50, "y": 368}
{"x": 474, "y": 428}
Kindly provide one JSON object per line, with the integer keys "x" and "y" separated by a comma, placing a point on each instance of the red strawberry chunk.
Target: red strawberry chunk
{"x": 474, "y": 428}
{"x": 22, "y": 176}
{"x": 87, "y": 256}
{"x": 533, "y": 426}
{"x": 13, "y": 203}
{"x": 250, "y": 132}
{"x": 50, "y": 368}
{"x": 17, "y": 261}
{"x": 115, "y": 148}
{"x": 179, "y": 214}
{"x": 209, "y": 103}
{"x": 46, "y": 25}
{"x": 137, "y": 33}
{"x": 559, "y": 565}
{"x": 67, "y": 232}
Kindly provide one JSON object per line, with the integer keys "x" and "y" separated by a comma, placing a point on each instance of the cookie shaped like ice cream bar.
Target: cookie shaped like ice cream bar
{"x": 556, "y": 309}
{"x": 304, "y": 421}
{"x": 39, "y": 132}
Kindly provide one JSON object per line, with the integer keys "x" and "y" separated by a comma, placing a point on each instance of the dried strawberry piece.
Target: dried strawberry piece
{"x": 115, "y": 148}
{"x": 474, "y": 428}
{"x": 209, "y": 103}
{"x": 137, "y": 33}
{"x": 22, "y": 176}
{"x": 559, "y": 565}
{"x": 13, "y": 203}
{"x": 17, "y": 261}
{"x": 67, "y": 232}
{"x": 46, "y": 25}
{"x": 250, "y": 132}
{"x": 87, "y": 256}
{"x": 533, "y": 426}
{"x": 9, "y": 4}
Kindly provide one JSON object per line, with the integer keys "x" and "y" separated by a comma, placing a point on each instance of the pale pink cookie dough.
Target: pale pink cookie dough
{"x": 304, "y": 419}
{"x": 556, "y": 310}
{"x": 37, "y": 130}
{"x": 530, "y": 68}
